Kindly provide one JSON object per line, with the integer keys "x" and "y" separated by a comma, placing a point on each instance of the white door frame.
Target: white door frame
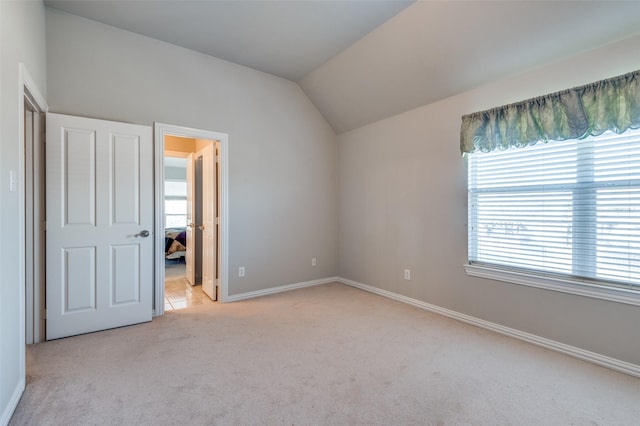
{"x": 160, "y": 131}
{"x": 27, "y": 90}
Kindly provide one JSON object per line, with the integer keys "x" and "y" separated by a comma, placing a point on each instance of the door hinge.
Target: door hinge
{"x": 217, "y": 221}
{"x": 217, "y": 158}
{"x": 43, "y": 225}
{"x": 44, "y": 314}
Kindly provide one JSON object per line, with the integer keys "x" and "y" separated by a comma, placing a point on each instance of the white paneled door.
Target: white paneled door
{"x": 190, "y": 258}
{"x": 209, "y": 240}
{"x": 99, "y": 189}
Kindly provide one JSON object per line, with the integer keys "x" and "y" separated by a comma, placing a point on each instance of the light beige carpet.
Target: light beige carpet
{"x": 326, "y": 355}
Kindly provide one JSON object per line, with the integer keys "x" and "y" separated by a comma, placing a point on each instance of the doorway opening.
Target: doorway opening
{"x": 190, "y": 222}
{"x": 34, "y": 221}
{"x": 30, "y": 182}
{"x": 189, "y": 199}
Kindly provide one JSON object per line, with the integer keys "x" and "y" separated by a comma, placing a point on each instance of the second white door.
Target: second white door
{"x": 190, "y": 259}
{"x": 209, "y": 239}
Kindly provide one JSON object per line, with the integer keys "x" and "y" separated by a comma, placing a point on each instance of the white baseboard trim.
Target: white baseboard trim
{"x": 13, "y": 403}
{"x": 280, "y": 289}
{"x": 595, "y": 358}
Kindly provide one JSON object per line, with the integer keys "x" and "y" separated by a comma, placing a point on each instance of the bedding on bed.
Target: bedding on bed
{"x": 175, "y": 243}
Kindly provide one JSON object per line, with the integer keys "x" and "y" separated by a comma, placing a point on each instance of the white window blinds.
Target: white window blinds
{"x": 569, "y": 207}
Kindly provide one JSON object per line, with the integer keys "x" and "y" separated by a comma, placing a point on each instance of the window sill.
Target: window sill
{"x": 564, "y": 285}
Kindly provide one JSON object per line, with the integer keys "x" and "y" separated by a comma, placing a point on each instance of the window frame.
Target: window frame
{"x": 167, "y": 215}
{"x": 572, "y": 284}
{"x": 178, "y": 198}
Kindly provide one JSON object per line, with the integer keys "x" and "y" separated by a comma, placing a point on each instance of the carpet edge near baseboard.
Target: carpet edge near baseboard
{"x": 280, "y": 289}
{"x": 13, "y": 402}
{"x": 585, "y": 355}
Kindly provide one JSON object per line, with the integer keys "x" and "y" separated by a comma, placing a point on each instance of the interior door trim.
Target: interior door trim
{"x": 27, "y": 90}
{"x": 160, "y": 131}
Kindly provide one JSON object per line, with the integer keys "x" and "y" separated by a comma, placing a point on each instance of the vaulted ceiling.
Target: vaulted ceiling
{"x": 285, "y": 38}
{"x": 363, "y": 60}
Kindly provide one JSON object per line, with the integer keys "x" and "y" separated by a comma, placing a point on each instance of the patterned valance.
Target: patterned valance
{"x": 590, "y": 110}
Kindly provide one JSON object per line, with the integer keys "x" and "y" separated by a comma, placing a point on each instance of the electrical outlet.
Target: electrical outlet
{"x": 314, "y": 262}
{"x": 241, "y": 271}
{"x": 407, "y": 274}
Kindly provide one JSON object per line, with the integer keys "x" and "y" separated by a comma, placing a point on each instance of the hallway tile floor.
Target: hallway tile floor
{"x": 179, "y": 294}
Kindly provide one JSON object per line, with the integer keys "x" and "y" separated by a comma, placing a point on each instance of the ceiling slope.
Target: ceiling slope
{"x": 433, "y": 50}
{"x": 285, "y": 38}
{"x": 360, "y": 61}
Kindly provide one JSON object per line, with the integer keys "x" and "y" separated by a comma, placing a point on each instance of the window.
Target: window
{"x": 568, "y": 209}
{"x": 175, "y": 204}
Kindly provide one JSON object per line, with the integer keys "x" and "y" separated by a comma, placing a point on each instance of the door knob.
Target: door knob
{"x": 201, "y": 227}
{"x": 191, "y": 225}
{"x": 144, "y": 234}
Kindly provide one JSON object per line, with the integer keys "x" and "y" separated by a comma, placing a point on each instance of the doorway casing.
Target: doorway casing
{"x": 160, "y": 131}
{"x": 30, "y": 95}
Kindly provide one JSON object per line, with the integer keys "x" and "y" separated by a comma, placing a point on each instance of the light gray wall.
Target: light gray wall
{"x": 22, "y": 39}
{"x": 282, "y": 153}
{"x": 402, "y": 204}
